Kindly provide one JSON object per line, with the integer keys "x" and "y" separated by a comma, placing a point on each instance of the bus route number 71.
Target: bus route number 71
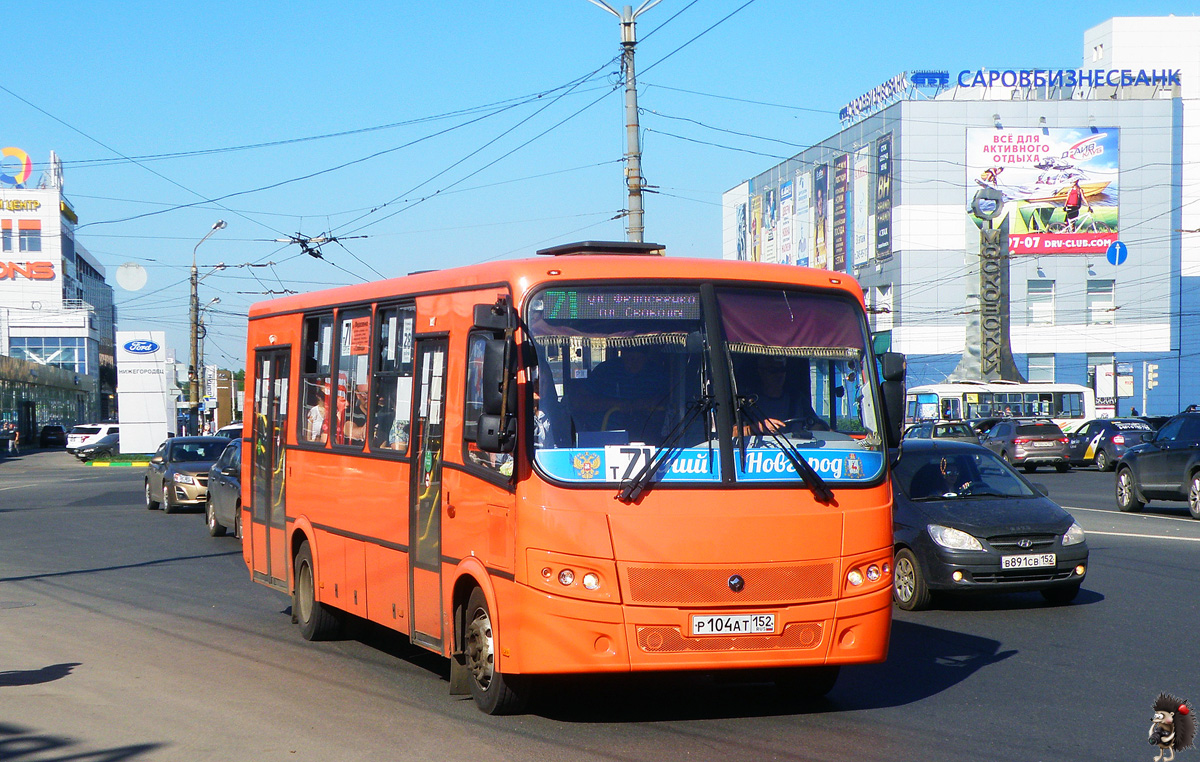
{"x": 623, "y": 462}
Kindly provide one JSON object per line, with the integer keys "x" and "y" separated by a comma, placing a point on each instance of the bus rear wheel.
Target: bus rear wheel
{"x": 317, "y": 621}
{"x": 493, "y": 691}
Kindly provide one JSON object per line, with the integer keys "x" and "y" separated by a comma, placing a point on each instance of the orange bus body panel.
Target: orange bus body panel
{"x": 354, "y": 510}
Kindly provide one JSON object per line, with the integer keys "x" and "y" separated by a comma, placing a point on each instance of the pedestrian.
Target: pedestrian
{"x": 16, "y": 440}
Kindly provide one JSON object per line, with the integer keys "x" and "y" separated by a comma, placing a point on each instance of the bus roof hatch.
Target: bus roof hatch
{"x": 593, "y": 248}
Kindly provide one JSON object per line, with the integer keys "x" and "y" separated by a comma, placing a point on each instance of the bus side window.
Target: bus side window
{"x": 391, "y": 411}
{"x": 500, "y": 463}
{"x": 350, "y": 396}
{"x": 314, "y": 380}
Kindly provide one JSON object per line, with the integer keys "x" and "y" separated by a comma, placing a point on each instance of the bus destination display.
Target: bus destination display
{"x": 574, "y": 304}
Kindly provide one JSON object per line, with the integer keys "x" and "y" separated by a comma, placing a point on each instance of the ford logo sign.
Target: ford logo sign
{"x": 141, "y": 347}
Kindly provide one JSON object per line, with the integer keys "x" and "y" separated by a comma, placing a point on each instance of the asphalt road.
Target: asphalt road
{"x": 127, "y": 634}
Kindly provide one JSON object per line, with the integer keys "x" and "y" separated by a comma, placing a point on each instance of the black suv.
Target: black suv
{"x": 1165, "y": 467}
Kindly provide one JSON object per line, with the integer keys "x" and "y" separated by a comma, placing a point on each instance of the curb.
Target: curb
{"x": 118, "y": 464}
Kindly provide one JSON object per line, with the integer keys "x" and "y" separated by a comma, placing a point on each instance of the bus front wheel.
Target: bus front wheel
{"x": 493, "y": 691}
{"x": 317, "y": 621}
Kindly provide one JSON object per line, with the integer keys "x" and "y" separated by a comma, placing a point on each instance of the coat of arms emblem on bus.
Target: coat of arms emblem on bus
{"x": 587, "y": 464}
{"x": 854, "y": 467}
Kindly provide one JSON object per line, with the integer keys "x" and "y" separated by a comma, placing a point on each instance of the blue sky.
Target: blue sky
{"x": 440, "y": 151}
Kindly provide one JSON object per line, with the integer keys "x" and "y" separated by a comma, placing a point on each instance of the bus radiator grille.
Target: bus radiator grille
{"x": 710, "y": 587}
{"x": 671, "y": 640}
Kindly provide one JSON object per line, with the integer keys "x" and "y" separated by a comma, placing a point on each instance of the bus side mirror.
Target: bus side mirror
{"x": 496, "y": 434}
{"x": 499, "y": 376}
{"x": 892, "y": 366}
{"x": 497, "y": 427}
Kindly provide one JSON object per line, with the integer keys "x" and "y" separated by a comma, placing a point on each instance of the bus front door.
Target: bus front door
{"x": 267, "y": 510}
{"x": 425, "y": 502}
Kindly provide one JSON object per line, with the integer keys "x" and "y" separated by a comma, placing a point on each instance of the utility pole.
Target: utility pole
{"x": 635, "y": 226}
{"x": 194, "y": 320}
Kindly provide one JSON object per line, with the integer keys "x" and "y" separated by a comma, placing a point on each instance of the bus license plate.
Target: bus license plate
{"x": 1030, "y": 561}
{"x": 736, "y": 624}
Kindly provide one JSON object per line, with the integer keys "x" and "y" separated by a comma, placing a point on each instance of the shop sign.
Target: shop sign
{"x": 27, "y": 270}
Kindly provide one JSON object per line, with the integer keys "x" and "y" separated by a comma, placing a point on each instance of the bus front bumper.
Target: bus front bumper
{"x": 578, "y": 636}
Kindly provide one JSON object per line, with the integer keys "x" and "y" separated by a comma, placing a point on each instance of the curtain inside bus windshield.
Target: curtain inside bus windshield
{"x": 799, "y": 373}
{"x": 620, "y": 373}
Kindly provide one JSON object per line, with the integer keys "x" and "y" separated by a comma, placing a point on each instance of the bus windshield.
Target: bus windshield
{"x": 623, "y": 371}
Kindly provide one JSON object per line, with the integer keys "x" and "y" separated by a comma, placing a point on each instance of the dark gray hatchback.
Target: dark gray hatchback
{"x": 964, "y": 521}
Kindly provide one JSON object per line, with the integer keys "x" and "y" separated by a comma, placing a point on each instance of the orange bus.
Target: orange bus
{"x": 599, "y": 460}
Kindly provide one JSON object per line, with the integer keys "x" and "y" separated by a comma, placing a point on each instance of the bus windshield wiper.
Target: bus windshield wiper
{"x": 749, "y": 406}
{"x": 631, "y": 489}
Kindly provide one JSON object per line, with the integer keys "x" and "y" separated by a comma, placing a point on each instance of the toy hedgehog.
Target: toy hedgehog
{"x": 1173, "y": 727}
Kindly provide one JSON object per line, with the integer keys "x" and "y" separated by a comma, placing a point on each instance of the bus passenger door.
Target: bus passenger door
{"x": 425, "y": 502}
{"x": 268, "y": 468}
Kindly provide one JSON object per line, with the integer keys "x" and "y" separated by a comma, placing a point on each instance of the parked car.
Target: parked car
{"x": 223, "y": 509}
{"x": 942, "y": 430}
{"x": 89, "y": 433}
{"x": 230, "y": 431}
{"x": 1029, "y": 443}
{"x": 109, "y": 444}
{"x": 52, "y": 435}
{"x": 1155, "y": 421}
{"x": 1165, "y": 467}
{"x": 178, "y": 472}
{"x": 965, "y": 521}
{"x": 1103, "y": 441}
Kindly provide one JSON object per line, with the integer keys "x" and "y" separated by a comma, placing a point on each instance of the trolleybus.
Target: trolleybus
{"x": 1068, "y": 404}
{"x": 580, "y": 464}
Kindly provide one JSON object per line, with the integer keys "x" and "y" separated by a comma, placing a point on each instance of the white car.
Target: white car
{"x": 88, "y": 434}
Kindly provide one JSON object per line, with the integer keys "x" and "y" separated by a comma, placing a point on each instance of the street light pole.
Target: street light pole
{"x": 633, "y": 152}
{"x": 194, "y": 375}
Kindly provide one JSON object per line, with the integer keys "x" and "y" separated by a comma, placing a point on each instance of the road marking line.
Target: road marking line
{"x": 1132, "y": 515}
{"x": 1142, "y": 536}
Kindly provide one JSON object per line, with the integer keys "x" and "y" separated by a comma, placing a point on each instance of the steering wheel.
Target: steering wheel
{"x": 809, "y": 423}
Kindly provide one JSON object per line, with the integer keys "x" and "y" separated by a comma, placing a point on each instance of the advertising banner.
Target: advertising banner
{"x": 756, "y": 209}
{"x": 802, "y": 234}
{"x": 860, "y": 216}
{"x": 786, "y": 212}
{"x": 883, "y": 197}
{"x": 1059, "y": 185}
{"x": 820, "y": 256}
{"x": 769, "y": 225}
{"x": 740, "y": 243}
{"x": 841, "y": 188}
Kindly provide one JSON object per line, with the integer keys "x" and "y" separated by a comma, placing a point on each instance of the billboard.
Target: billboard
{"x": 144, "y": 393}
{"x": 841, "y": 188}
{"x": 820, "y": 189}
{"x": 883, "y": 197}
{"x": 1059, "y": 185}
{"x": 860, "y": 215}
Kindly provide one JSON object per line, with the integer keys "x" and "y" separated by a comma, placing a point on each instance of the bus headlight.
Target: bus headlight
{"x": 593, "y": 579}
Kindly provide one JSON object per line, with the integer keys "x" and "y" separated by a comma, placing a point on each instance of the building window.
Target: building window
{"x": 31, "y": 240}
{"x": 1041, "y": 368}
{"x": 1101, "y": 301}
{"x": 7, "y": 237}
{"x": 1040, "y": 301}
